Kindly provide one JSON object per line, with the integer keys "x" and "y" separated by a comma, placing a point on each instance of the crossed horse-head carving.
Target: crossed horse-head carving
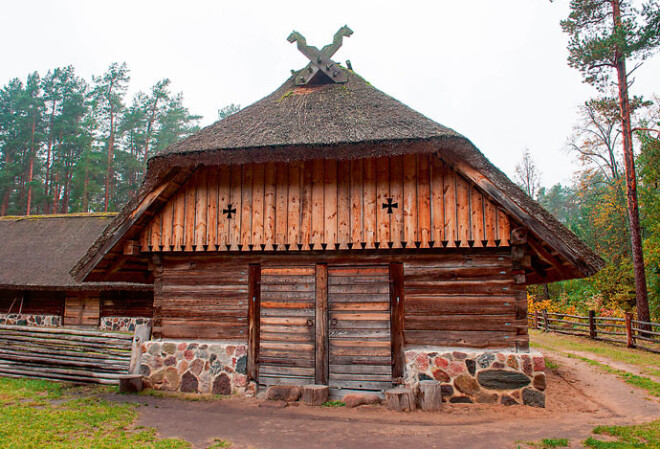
{"x": 320, "y": 59}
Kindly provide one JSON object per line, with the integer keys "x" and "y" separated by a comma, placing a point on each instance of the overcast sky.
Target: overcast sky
{"x": 493, "y": 71}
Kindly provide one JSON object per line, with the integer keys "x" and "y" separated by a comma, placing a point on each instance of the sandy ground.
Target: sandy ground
{"x": 579, "y": 397}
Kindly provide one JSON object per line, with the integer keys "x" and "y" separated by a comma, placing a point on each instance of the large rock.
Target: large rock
{"x": 189, "y": 383}
{"x": 356, "y": 399}
{"x": 502, "y": 380}
{"x": 288, "y": 393}
{"x": 539, "y": 382}
{"x": 466, "y": 384}
{"x": 533, "y": 398}
{"x": 221, "y": 385}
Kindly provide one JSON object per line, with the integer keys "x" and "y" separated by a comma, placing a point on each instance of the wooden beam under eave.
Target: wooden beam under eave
{"x": 514, "y": 209}
{"x": 134, "y": 222}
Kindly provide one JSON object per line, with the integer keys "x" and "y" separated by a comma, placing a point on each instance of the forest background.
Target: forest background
{"x": 70, "y": 145}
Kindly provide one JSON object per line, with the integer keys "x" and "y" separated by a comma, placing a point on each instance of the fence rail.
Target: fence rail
{"x": 64, "y": 354}
{"x": 634, "y": 333}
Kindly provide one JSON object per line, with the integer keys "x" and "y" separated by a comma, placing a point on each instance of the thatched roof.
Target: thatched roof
{"x": 337, "y": 121}
{"x": 37, "y": 252}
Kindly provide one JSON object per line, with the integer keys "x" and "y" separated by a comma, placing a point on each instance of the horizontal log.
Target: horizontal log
{"x": 418, "y": 275}
{"x": 476, "y": 339}
{"x": 463, "y": 323}
{"x": 361, "y": 369}
{"x": 45, "y": 350}
{"x": 103, "y": 366}
{"x": 363, "y": 334}
{"x": 8, "y": 365}
{"x": 284, "y": 336}
{"x": 359, "y": 306}
{"x": 386, "y": 377}
{"x": 68, "y": 331}
{"x": 278, "y": 370}
{"x": 281, "y": 361}
{"x": 20, "y": 374}
{"x": 74, "y": 343}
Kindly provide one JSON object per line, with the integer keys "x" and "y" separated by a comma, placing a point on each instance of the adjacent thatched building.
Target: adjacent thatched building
{"x": 36, "y": 255}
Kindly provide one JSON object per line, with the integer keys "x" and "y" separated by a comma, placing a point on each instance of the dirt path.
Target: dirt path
{"x": 613, "y": 364}
{"x": 580, "y": 397}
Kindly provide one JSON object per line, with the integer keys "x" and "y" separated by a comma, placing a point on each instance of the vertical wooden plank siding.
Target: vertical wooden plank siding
{"x": 254, "y": 298}
{"x": 178, "y": 221}
{"x": 463, "y": 211}
{"x": 410, "y": 199}
{"x": 423, "y": 200}
{"x": 369, "y": 191}
{"x": 357, "y": 198}
{"x": 382, "y": 194}
{"x": 437, "y": 201}
{"x": 293, "y": 204}
{"x": 397, "y": 314}
{"x": 258, "y": 206}
{"x": 318, "y": 211}
{"x": 322, "y": 354}
{"x": 224, "y": 189}
{"x": 343, "y": 204}
{"x": 306, "y": 207}
{"x": 269, "y": 206}
{"x": 328, "y": 205}
{"x": 190, "y": 210}
{"x": 246, "y": 207}
{"x": 212, "y": 208}
{"x": 201, "y": 213}
{"x": 282, "y": 194}
{"x": 477, "y": 207}
{"x": 396, "y": 192}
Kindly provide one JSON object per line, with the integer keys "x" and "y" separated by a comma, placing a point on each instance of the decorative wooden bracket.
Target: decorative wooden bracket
{"x": 320, "y": 59}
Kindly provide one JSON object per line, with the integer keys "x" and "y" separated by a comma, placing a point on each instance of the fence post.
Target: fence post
{"x": 536, "y": 319}
{"x": 629, "y": 332}
{"x": 592, "y": 324}
{"x": 545, "y": 320}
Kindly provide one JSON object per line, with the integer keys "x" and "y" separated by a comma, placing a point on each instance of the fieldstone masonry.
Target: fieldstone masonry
{"x": 121, "y": 323}
{"x": 508, "y": 378}
{"x": 15, "y": 319}
{"x": 195, "y": 367}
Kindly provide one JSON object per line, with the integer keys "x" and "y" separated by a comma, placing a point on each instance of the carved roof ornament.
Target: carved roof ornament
{"x": 321, "y": 65}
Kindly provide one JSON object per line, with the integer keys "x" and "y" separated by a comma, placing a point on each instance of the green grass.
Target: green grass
{"x": 217, "y": 443}
{"x": 35, "y": 413}
{"x": 627, "y": 437}
{"x": 549, "y": 364}
{"x": 647, "y": 362}
{"x": 547, "y": 443}
{"x": 333, "y": 404}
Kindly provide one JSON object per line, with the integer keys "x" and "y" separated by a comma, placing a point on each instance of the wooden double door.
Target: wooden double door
{"x": 320, "y": 324}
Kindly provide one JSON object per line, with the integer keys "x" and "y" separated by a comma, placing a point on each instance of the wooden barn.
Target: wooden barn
{"x": 329, "y": 234}
{"x": 36, "y": 289}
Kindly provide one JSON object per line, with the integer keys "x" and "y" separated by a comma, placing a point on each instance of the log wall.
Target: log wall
{"x": 464, "y": 301}
{"x": 127, "y": 304}
{"x": 461, "y": 298}
{"x": 34, "y": 302}
{"x": 205, "y": 299}
{"x": 327, "y": 204}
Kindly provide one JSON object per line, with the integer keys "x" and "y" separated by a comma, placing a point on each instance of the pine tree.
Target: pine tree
{"x": 604, "y": 35}
{"x": 110, "y": 89}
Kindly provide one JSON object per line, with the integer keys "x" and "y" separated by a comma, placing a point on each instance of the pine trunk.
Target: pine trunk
{"x": 30, "y": 171}
{"x": 631, "y": 180}
{"x": 108, "y": 174}
{"x": 48, "y": 151}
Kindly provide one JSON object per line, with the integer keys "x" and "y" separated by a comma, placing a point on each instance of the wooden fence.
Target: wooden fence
{"x": 634, "y": 333}
{"x": 64, "y": 354}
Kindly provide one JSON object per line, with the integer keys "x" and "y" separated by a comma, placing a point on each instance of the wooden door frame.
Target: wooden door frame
{"x": 254, "y": 314}
{"x": 397, "y": 314}
{"x": 322, "y": 339}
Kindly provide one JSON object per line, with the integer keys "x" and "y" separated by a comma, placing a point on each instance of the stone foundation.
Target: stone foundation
{"x": 15, "y": 319}
{"x": 121, "y": 323}
{"x": 195, "y": 367}
{"x": 470, "y": 376}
